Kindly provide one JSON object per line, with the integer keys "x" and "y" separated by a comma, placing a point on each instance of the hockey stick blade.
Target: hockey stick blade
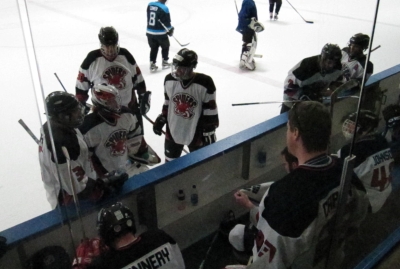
{"x": 299, "y": 13}
{"x": 28, "y": 130}
{"x": 257, "y": 55}
{"x": 166, "y": 29}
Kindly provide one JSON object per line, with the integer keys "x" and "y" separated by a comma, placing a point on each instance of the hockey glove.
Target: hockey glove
{"x": 159, "y": 124}
{"x": 116, "y": 181}
{"x": 171, "y": 31}
{"x": 144, "y": 100}
{"x": 391, "y": 115}
{"x": 209, "y": 138}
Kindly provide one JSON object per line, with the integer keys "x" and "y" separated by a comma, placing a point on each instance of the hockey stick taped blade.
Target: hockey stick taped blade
{"x": 257, "y": 55}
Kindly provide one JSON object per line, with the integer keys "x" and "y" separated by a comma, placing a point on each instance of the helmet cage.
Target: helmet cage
{"x": 348, "y": 128}
{"x": 107, "y": 98}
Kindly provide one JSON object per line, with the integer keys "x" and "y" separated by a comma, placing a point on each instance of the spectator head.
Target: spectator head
{"x": 310, "y": 122}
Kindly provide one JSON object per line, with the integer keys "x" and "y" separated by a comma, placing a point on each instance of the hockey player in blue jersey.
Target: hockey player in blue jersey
{"x": 157, "y": 36}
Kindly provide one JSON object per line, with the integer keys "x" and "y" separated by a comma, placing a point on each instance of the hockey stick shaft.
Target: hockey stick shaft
{"x": 152, "y": 122}
{"x": 62, "y": 85}
{"x": 236, "y": 7}
{"x": 28, "y": 131}
{"x": 377, "y": 47}
{"x": 165, "y": 27}
{"x": 299, "y": 13}
{"x": 268, "y": 102}
{"x": 209, "y": 250}
{"x": 74, "y": 194}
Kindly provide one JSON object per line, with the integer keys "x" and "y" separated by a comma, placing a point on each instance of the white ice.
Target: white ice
{"x": 64, "y": 31}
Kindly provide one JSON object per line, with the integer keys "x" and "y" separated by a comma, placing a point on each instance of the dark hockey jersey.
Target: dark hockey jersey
{"x": 247, "y": 11}
{"x": 296, "y": 213}
{"x": 157, "y": 11}
{"x": 373, "y": 165}
{"x": 154, "y": 249}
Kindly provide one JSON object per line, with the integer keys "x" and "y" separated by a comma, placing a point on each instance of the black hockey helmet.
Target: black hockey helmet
{"x": 60, "y": 106}
{"x": 391, "y": 114}
{"x": 331, "y": 52}
{"x": 367, "y": 122}
{"x": 185, "y": 58}
{"x": 115, "y": 221}
{"x": 360, "y": 39}
{"x": 108, "y": 36}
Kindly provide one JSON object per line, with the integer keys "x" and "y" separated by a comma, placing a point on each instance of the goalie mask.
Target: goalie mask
{"x": 367, "y": 123}
{"x": 107, "y": 102}
{"x": 115, "y": 221}
{"x": 65, "y": 109}
{"x": 183, "y": 64}
{"x": 109, "y": 45}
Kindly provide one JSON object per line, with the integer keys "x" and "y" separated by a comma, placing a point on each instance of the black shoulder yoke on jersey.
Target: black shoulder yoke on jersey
{"x": 362, "y": 59}
{"x": 308, "y": 67}
{"x": 93, "y": 55}
{"x": 62, "y": 137}
{"x": 116, "y": 259}
{"x": 365, "y": 147}
{"x": 200, "y": 79}
{"x": 292, "y": 203}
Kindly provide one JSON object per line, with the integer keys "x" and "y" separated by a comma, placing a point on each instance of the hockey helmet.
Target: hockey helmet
{"x": 391, "y": 114}
{"x": 183, "y": 64}
{"x": 361, "y": 40}
{"x": 115, "y": 221}
{"x": 107, "y": 102}
{"x": 367, "y": 123}
{"x": 109, "y": 47}
{"x": 65, "y": 109}
{"x": 330, "y": 58}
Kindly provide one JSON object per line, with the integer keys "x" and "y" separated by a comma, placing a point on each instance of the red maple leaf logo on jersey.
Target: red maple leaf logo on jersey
{"x": 115, "y": 75}
{"x": 184, "y": 105}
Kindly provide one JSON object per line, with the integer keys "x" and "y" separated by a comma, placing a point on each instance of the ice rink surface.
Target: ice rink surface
{"x": 63, "y": 32}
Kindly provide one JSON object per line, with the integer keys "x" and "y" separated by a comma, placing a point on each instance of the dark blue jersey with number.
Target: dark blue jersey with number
{"x": 156, "y": 12}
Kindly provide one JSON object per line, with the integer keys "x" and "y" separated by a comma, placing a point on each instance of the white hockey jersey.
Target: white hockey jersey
{"x": 80, "y": 163}
{"x": 354, "y": 68}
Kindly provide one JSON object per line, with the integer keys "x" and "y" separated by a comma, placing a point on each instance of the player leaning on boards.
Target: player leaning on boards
{"x": 373, "y": 157}
{"x": 248, "y": 26}
{"x": 312, "y": 76}
{"x": 190, "y": 109}
{"x": 114, "y": 66}
{"x": 66, "y": 114}
{"x": 151, "y": 249}
{"x": 112, "y": 133}
{"x": 158, "y": 14}
{"x": 297, "y": 212}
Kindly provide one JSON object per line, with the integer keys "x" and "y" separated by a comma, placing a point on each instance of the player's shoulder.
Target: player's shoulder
{"x": 129, "y": 57}
{"x": 205, "y": 81}
{"x": 160, "y": 5}
{"x": 157, "y": 234}
{"x": 91, "y": 120}
{"x": 90, "y": 58}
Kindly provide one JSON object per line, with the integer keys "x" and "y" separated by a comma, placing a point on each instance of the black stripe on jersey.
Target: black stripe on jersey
{"x": 90, "y": 58}
{"x": 128, "y": 56}
{"x": 91, "y": 120}
{"x": 200, "y": 79}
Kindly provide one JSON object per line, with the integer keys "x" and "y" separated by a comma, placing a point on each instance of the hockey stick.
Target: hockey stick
{"x": 74, "y": 195}
{"x": 209, "y": 249}
{"x": 182, "y": 45}
{"x": 28, "y": 131}
{"x": 257, "y": 56}
{"x": 377, "y": 47}
{"x": 236, "y": 7}
{"x": 162, "y": 131}
{"x": 299, "y": 13}
{"x": 62, "y": 85}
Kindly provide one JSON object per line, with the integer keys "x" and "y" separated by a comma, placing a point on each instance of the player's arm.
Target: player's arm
{"x": 162, "y": 118}
{"x": 209, "y": 120}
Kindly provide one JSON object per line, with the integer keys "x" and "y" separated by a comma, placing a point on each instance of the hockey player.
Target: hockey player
{"x": 277, "y": 4}
{"x": 190, "y": 108}
{"x": 373, "y": 157}
{"x": 248, "y": 26}
{"x": 157, "y": 34}
{"x": 114, "y": 66}
{"x": 151, "y": 249}
{"x": 311, "y": 78}
{"x": 391, "y": 114}
{"x": 297, "y": 213}
{"x": 66, "y": 114}
{"x": 112, "y": 133}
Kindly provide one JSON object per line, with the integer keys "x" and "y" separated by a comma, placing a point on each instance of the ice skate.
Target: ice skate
{"x": 276, "y": 17}
{"x": 165, "y": 64}
{"x": 153, "y": 67}
{"x": 270, "y": 16}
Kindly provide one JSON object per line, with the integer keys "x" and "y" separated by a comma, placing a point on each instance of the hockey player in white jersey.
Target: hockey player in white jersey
{"x": 373, "y": 157}
{"x": 127, "y": 249}
{"x": 112, "y": 133}
{"x": 114, "y": 66}
{"x": 190, "y": 108}
{"x": 66, "y": 113}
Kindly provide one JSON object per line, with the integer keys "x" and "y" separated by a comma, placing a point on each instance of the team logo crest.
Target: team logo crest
{"x": 115, "y": 75}
{"x": 117, "y": 143}
{"x": 184, "y": 105}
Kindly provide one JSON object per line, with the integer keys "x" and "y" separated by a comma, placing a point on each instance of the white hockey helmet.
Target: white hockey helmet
{"x": 107, "y": 99}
